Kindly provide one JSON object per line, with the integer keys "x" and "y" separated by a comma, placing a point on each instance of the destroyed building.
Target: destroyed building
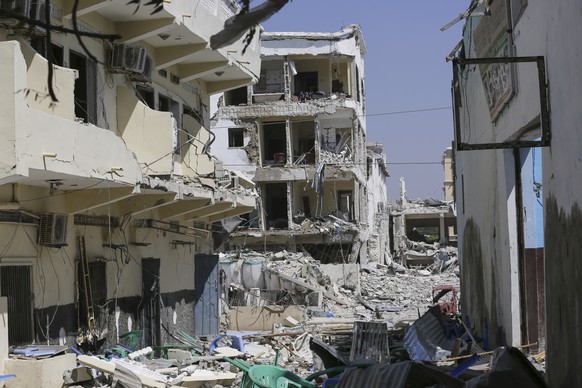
{"x": 300, "y": 133}
{"x": 423, "y": 232}
{"x": 518, "y": 130}
{"x": 108, "y": 195}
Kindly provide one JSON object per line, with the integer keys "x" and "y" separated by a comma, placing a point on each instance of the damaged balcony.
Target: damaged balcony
{"x": 45, "y": 144}
{"x": 304, "y": 74}
{"x": 300, "y": 86}
{"x": 292, "y": 142}
{"x": 165, "y": 145}
{"x": 294, "y": 213}
{"x": 90, "y": 168}
{"x": 178, "y": 35}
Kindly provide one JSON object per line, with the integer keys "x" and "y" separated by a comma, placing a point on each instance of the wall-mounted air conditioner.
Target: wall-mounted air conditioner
{"x": 146, "y": 74}
{"x": 127, "y": 57}
{"x": 52, "y": 229}
{"x": 10, "y": 9}
{"x": 37, "y": 10}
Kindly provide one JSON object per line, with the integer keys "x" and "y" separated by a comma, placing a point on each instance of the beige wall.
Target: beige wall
{"x": 322, "y": 66}
{"x": 147, "y": 132}
{"x": 195, "y": 162}
{"x": 37, "y": 87}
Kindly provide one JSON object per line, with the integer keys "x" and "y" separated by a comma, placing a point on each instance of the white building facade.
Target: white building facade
{"x": 518, "y": 136}
{"x": 300, "y": 133}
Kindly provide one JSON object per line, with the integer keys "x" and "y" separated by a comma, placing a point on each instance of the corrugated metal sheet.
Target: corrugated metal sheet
{"x": 425, "y": 340}
{"x": 399, "y": 375}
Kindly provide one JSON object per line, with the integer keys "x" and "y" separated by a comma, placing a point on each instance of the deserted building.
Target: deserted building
{"x": 300, "y": 133}
{"x": 107, "y": 196}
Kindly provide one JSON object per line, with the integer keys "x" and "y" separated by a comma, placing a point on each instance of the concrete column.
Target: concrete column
{"x": 317, "y": 143}
{"x": 250, "y": 95}
{"x": 287, "y": 80}
{"x": 442, "y": 232}
{"x": 290, "y": 203}
{"x": 357, "y": 210}
{"x": 262, "y": 221}
{"x": 289, "y": 142}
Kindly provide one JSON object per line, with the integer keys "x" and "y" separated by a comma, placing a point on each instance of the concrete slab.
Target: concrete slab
{"x": 347, "y": 275}
{"x": 44, "y": 373}
{"x": 263, "y": 318}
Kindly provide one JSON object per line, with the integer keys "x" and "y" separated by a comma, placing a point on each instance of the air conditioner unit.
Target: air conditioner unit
{"x": 146, "y": 74}
{"x": 9, "y": 9}
{"x": 52, "y": 229}
{"x": 37, "y": 10}
{"x": 127, "y": 57}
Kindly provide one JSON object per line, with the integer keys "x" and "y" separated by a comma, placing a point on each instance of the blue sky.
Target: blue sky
{"x": 405, "y": 69}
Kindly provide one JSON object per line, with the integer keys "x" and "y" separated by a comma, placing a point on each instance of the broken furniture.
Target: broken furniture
{"x": 130, "y": 342}
{"x": 237, "y": 341}
{"x": 448, "y": 307}
{"x": 272, "y": 376}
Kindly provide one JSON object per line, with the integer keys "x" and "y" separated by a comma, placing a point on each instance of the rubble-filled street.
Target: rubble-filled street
{"x": 284, "y": 194}
{"x": 288, "y": 319}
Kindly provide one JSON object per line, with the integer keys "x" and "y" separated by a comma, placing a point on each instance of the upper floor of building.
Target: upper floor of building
{"x": 130, "y": 96}
{"x": 304, "y": 74}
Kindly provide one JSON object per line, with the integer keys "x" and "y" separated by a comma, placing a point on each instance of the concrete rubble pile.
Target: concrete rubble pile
{"x": 313, "y": 323}
{"x": 435, "y": 258}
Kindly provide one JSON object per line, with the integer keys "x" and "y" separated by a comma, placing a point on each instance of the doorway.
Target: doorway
{"x": 16, "y": 286}
{"x": 85, "y": 87}
{"x": 206, "y": 289}
{"x": 531, "y": 260}
{"x": 150, "y": 313}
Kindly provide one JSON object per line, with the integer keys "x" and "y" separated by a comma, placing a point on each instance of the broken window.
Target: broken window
{"x": 423, "y": 229}
{"x": 166, "y": 104}
{"x": 146, "y": 95}
{"x": 358, "y": 84}
{"x": 303, "y": 134}
{"x": 56, "y": 52}
{"x": 272, "y": 79}
{"x": 306, "y": 83}
{"x": 85, "y": 87}
{"x": 275, "y": 203}
{"x": 274, "y": 143}
{"x": 235, "y": 137}
{"x": 236, "y": 97}
{"x": 345, "y": 205}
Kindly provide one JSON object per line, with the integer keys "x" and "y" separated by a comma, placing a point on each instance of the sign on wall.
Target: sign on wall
{"x": 491, "y": 41}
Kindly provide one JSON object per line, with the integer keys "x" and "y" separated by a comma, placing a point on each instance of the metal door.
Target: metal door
{"x": 16, "y": 285}
{"x": 206, "y": 289}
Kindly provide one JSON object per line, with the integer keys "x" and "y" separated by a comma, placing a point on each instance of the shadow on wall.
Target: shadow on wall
{"x": 563, "y": 294}
{"x": 475, "y": 273}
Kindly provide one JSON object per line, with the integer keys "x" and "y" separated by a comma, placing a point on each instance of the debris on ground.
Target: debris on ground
{"x": 287, "y": 317}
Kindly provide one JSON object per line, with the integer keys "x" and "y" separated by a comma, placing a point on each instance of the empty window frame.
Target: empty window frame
{"x": 146, "y": 95}
{"x": 235, "y": 137}
{"x": 345, "y": 204}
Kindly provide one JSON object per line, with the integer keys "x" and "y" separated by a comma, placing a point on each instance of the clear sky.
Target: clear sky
{"x": 405, "y": 69}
